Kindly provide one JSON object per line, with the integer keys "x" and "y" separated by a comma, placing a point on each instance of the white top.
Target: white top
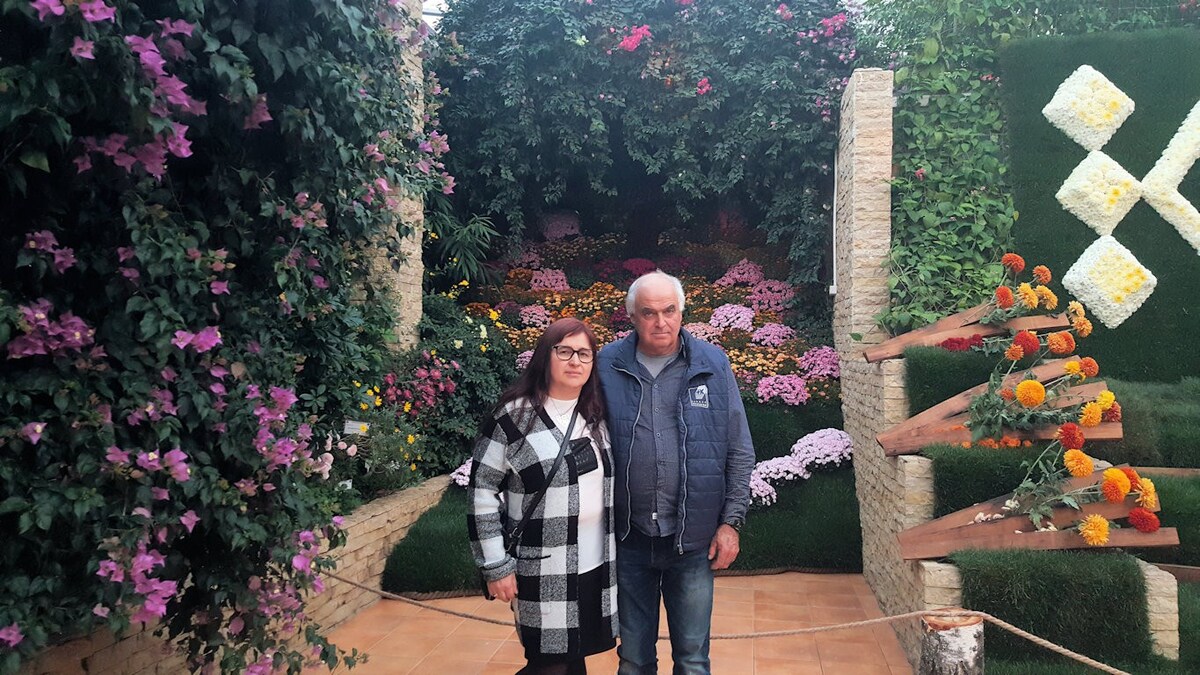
{"x": 591, "y": 490}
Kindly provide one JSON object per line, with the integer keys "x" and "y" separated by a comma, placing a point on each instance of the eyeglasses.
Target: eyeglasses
{"x": 564, "y": 353}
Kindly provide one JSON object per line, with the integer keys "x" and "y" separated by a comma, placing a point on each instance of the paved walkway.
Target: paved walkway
{"x": 403, "y": 639}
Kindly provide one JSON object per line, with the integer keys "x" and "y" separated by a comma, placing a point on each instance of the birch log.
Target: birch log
{"x": 952, "y": 646}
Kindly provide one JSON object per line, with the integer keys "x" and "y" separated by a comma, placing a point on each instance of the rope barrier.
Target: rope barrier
{"x": 945, "y": 613}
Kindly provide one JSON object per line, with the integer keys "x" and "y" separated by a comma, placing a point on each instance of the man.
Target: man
{"x": 683, "y": 459}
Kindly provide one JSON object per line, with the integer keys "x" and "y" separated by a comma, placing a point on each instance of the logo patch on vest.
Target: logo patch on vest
{"x": 698, "y": 396}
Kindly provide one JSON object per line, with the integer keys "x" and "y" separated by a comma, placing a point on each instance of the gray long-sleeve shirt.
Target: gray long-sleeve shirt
{"x": 654, "y": 471}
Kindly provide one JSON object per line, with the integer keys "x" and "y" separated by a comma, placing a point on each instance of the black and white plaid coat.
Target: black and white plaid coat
{"x": 513, "y": 465}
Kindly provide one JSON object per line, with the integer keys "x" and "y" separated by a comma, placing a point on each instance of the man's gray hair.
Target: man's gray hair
{"x": 631, "y": 296}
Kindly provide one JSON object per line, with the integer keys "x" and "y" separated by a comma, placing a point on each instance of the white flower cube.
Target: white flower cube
{"x": 1099, "y": 192}
{"x": 1161, "y": 186}
{"x": 1088, "y": 107}
{"x": 1109, "y": 281}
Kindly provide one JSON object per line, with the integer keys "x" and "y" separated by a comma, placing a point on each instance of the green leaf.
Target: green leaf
{"x": 35, "y": 159}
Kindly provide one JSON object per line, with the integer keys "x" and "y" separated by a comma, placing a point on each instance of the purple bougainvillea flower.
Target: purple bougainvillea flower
{"x": 206, "y": 339}
{"x": 117, "y": 455}
{"x": 64, "y": 259}
{"x": 130, "y": 273}
{"x": 43, "y": 239}
{"x": 182, "y": 338}
{"x": 82, "y": 49}
{"x": 96, "y": 11}
{"x": 44, "y": 9}
{"x": 100, "y": 611}
{"x": 149, "y": 461}
{"x": 11, "y": 635}
{"x": 33, "y": 431}
{"x": 259, "y": 115}
{"x": 176, "y": 27}
{"x": 219, "y": 287}
{"x": 189, "y": 520}
{"x": 124, "y": 253}
{"x": 320, "y": 281}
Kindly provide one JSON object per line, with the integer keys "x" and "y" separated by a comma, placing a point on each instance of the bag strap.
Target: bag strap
{"x": 515, "y": 536}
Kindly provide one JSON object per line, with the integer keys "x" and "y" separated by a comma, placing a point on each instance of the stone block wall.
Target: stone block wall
{"x": 371, "y": 533}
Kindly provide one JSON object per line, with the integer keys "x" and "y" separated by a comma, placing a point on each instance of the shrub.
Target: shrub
{"x": 195, "y": 179}
{"x": 1067, "y": 597}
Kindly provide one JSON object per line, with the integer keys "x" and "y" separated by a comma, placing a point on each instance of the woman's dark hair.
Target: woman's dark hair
{"x": 534, "y": 383}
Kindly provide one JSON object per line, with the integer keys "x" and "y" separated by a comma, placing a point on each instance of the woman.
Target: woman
{"x": 562, "y": 579}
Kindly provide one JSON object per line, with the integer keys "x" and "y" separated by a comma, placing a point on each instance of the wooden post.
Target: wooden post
{"x": 952, "y": 646}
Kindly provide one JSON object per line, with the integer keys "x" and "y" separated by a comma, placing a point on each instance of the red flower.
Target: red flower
{"x": 1134, "y": 478}
{"x": 1143, "y": 520}
{"x": 1113, "y": 414}
{"x": 1027, "y": 341}
{"x": 1007, "y": 394}
{"x": 1070, "y": 436}
{"x": 920, "y": 174}
{"x": 1004, "y": 297}
{"x": 1013, "y": 262}
{"x": 1041, "y": 274}
{"x": 1088, "y": 365}
{"x": 961, "y": 344}
{"x": 703, "y": 87}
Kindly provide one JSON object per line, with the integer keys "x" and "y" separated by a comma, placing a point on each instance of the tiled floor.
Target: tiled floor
{"x": 403, "y": 639}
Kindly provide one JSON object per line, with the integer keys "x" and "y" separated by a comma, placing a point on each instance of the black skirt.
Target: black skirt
{"x": 595, "y": 634}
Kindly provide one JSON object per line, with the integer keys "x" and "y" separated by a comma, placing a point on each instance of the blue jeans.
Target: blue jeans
{"x": 648, "y": 567}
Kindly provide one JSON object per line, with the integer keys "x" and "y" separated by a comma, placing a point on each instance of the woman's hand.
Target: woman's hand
{"x": 504, "y": 589}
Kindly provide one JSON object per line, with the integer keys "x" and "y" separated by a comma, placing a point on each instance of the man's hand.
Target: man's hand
{"x": 724, "y": 547}
{"x": 504, "y": 589}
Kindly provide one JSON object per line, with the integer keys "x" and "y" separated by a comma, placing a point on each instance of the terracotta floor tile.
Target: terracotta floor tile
{"x": 834, "y": 600}
{"x": 393, "y": 608}
{"x": 836, "y": 668}
{"x": 785, "y": 667}
{"x": 494, "y": 668}
{"x": 794, "y": 648}
{"x": 733, "y": 594}
{"x": 437, "y": 664}
{"x": 735, "y": 582}
{"x": 735, "y": 609}
{"x": 434, "y": 626}
{"x": 824, "y": 616}
{"x": 384, "y": 666}
{"x": 780, "y": 598}
{"x": 478, "y": 629}
{"x": 737, "y": 649}
{"x": 469, "y": 649}
{"x": 784, "y": 612}
{"x": 864, "y": 635}
{"x": 851, "y": 652}
{"x": 510, "y": 652}
{"x": 779, "y": 582}
{"x": 405, "y": 645}
{"x": 731, "y": 665}
{"x": 901, "y": 670}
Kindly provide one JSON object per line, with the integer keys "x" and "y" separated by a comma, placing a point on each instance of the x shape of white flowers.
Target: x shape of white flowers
{"x": 1107, "y": 277}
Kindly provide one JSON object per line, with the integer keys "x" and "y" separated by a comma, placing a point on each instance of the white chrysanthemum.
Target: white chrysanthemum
{"x": 1099, "y": 192}
{"x": 1161, "y": 185}
{"x": 1110, "y": 281}
{"x": 1088, "y": 107}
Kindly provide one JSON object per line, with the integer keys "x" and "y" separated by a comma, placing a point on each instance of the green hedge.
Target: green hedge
{"x": 775, "y": 428}
{"x": 435, "y": 554}
{"x": 1091, "y": 602}
{"x": 1146, "y": 66}
{"x": 1180, "y": 498}
{"x": 1161, "y": 423}
{"x": 814, "y": 524}
{"x": 966, "y": 476}
{"x": 933, "y": 374}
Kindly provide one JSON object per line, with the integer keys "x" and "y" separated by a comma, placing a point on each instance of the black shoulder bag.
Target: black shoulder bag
{"x": 512, "y": 539}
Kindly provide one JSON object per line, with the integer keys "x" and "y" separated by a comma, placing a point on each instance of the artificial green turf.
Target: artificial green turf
{"x": 1180, "y": 501}
{"x": 435, "y": 554}
{"x": 1161, "y": 424}
{"x": 1189, "y": 650}
{"x": 933, "y": 374}
{"x": 814, "y": 524}
{"x": 776, "y": 428}
{"x": 1093, "y": 602}
{"x": 1157, "y": 342}
{"x": 966, "y": 476}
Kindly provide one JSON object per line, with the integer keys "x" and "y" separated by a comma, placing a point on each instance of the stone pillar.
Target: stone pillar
{"x": 394, "y": 259}
{"x": 1162, "y": 604}
{"x": 893, "y": 493}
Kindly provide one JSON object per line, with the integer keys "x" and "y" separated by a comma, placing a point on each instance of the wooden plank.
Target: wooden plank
{"x": 1037, "y": 541}
{"x": 912, "y": 444}
{"x": 1177, "y": 472}
{"x": 1180, "y": 572}
{"x": 960, "y": 402}
{"x": 963, "y": 324}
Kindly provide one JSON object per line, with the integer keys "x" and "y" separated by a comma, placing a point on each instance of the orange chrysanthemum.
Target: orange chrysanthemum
{"x": 1014, "y": 353}
{"x": 1089, "y": 366}
{"x": 1112, "y": 491}
{"x": 1082, "y": 326}
{"x": 1013, "y": 262}
{"x": 1004, "y": 297}
{"x": 1041, "y": 274}
{"x": 990, "y": 443}
{"x": 1029, "y": 297}
{"x": 1147, "y": 493}
{"x": 1060, "y": 343}
{"x": 1113, "y": 414}
{"x": 1094, "y": 530}
{"x": 1134, "y": 478}
{"x": 1075, "y": 309}
{"x": 1010, "y": 442}
{"x": 1027, "y": 341}
{"x": 1007, "y": 394}
{"x": 1070, "y": 436}
{"x": 1090, "y": 415}
{"x": 1047, "y": 296}
{"x": 1078, "y": 463}
{"x": 1030, "y": 393}
{"x": 1143, "y": 520}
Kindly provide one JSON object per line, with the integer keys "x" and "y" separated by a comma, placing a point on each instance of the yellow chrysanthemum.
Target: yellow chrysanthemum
{"x": 1116, "y": 485}
{"x": 1094, "y": 530}
{"x": 1075, "y": 309}
{"x": 1047, "y": 296}
{"x": 1147, "y": 494}
{"x": 1090, "y": 414}
{"x": 411, "y": 439}
{"x": 1074, "y": 369}
{"x": 1030, "y": 393}
{"x": 1106, "y": 399}
{"x": 1078, "y": 463}
{"x": 1029, "y": 297}
{"x": 408, "y": 406}
{"x": 364, "y": 406}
